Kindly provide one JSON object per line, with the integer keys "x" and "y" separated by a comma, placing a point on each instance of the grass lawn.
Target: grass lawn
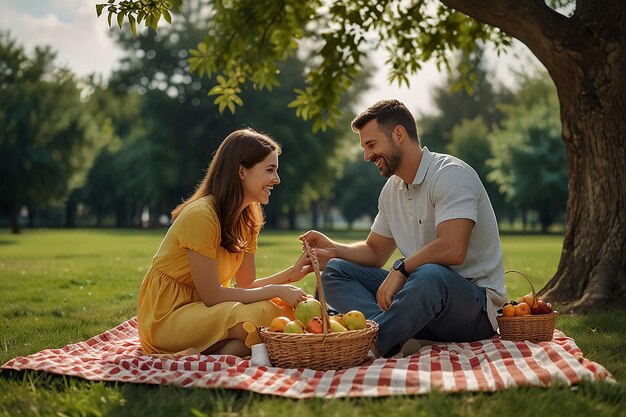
{"x": 64, "y": 286}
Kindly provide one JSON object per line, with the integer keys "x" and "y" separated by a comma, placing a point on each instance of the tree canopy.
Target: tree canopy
{"x": 583, "y": 50}
{"x": 528, "y": 161}
{"x": 47, "y": 140}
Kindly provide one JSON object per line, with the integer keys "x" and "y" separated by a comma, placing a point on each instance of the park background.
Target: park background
{"x": 113, "y": 131}
{"x": 109, "y": 132}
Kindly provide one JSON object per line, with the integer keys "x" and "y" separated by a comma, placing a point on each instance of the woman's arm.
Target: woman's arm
{"x": 294, "y": 273}
{"x": 205, "y": 279}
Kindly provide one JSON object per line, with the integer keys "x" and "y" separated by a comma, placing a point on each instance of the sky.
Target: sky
{"x": 82, "y": 43}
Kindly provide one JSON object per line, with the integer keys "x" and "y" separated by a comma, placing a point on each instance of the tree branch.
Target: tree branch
{"x": 536, "y": 25}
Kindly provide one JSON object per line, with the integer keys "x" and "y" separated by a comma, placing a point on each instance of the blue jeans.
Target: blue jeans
{"x": 435, "y": 303}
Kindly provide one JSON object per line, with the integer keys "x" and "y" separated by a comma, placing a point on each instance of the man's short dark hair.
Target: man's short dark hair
{"x": 389, "y": 114}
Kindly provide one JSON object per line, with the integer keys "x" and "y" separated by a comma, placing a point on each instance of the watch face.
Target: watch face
{"x": 397, "y": 264}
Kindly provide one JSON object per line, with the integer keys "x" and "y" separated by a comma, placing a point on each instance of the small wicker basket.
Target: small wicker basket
{"x": 533, "y": 327}
{"x": 319, "y": 351}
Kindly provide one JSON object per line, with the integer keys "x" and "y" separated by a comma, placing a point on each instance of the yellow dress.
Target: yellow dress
{"x": 171, "y": 316}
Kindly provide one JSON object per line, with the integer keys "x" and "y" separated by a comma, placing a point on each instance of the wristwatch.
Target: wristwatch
{"x": 398, "y": 265}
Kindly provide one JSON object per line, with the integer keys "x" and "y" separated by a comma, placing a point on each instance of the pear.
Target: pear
{"x": 336, "y": 327}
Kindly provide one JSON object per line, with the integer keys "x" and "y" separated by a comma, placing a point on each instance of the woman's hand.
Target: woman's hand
{"x": 290, "y": 294}
{"x": 301, "y": 268}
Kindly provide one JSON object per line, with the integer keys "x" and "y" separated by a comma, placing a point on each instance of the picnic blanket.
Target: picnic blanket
{"x": 486, "y": 365}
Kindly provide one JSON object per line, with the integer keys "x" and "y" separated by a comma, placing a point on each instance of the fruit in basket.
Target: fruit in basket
{"x": 522, "y": 309}
{"x": 338, "y": 318}
{"x": 294, "y": 326}
{"x": 528, "y": 299}
{"x": 531, "y": 300}
{"x": 544, "y": 308}
{"x": 307, "y": 309}
{"x": 336, "y": 327}
{"x": 354, "y": 320}
{"x": 278, "y": 324}
{"x": 508, "y": 310}
{"x": 315, "y": 325}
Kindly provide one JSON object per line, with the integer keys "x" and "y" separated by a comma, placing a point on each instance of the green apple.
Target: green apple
{"x": 307, "y": 309}
{"x": 354, "y": 320}
{"x": 294, "y": 326}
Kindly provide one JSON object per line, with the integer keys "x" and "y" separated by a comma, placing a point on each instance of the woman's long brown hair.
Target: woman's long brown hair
{"x": 246, "y": 148}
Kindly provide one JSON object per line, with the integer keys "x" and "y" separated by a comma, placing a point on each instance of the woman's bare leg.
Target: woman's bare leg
{"x": 233, "y": 344}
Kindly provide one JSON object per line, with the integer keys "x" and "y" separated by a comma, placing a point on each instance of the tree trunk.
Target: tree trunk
{"x": 70, "y": 213}
{"x": 31, "y": 217}
{"x": 585, "y": 54}
{"x": 592, "y": 269}
{"x": 13, "y": 212}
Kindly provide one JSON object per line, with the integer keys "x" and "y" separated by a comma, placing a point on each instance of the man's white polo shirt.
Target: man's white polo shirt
{"x": 445, "y": 188}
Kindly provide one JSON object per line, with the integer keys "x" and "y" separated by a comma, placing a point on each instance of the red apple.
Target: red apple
{"x": 315, "y": 325}
{"x": 544, "y": 308}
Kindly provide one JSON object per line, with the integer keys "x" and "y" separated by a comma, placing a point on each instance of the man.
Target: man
{"x": 449, "y": 282}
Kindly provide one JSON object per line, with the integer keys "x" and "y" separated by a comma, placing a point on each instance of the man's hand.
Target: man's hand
{"x": 389, "y": 288}
{"x": 325, "y": 248}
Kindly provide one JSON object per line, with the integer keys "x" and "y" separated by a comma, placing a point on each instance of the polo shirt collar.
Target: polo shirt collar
{"x": 427, "y": 159}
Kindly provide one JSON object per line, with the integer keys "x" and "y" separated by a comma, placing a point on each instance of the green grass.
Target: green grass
{"x": 64, "y": 286}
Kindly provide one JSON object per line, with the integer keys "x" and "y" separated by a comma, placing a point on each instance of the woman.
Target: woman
{"x": 185, "y": 303}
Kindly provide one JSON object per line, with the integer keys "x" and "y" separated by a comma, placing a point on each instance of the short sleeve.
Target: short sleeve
{"x": 252, "y": 245}
{"x": 455, "y": 194}
{"x": 198, "y": 230}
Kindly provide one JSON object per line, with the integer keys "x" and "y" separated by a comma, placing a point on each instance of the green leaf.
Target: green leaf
{"x": 99, "y": 8}
{"x": 109, "y": 18}
{"x": 237, "y": 100}
{"x": 218, "y": 89}
{"x": 133, "y": 24}
{"x": 120, "y": 19}
{"x": 167, "y": 16}
{"x": 194, "y": 63}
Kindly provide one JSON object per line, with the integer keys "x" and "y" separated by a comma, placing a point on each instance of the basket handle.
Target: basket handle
{"x": 532, "y": 288}
{"x": 318, "y": 283}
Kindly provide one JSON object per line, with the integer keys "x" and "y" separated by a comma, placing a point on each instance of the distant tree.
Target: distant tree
{"x": 529, "y": 162}
{"x": 460, "y": 98}
{"x": 181, "y": 128}
{"x": 356, "y": 192}
{"x": 47, "y": 139}
{"x": 469, "y": 140}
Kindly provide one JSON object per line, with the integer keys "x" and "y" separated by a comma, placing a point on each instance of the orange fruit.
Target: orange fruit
{"x": 522, "y": 309}
{"x": 278, "y": 324}
{"x": 508, "y": 310}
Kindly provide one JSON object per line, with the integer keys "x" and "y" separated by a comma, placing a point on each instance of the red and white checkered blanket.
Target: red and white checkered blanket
{"x": 487, "y": 365}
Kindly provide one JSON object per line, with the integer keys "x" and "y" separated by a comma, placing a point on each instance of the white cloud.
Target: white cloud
{"x": 79, "y": 37}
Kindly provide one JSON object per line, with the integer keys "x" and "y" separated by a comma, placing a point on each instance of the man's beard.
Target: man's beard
{"x": 391, "y": 162}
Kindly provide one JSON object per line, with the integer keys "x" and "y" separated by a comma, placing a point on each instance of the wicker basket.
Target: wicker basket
{"x": 533, "y": 327}
{"x": 319, "y": 351}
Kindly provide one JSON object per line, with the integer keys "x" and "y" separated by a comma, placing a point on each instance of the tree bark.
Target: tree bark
{"x": 586, "y": 57}
{"x": 13, "y": 213}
